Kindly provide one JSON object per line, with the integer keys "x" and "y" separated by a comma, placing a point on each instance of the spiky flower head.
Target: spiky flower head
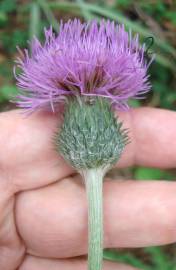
{"x": 83, "y": 59}
{"x": 91, "y": 136}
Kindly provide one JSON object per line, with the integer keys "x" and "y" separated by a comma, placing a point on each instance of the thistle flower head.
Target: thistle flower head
{"x": 91, "y": 136}
{"x": 83, "y": 59}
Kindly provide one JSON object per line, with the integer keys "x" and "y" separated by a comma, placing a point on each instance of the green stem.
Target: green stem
{"x": 94, "y": 188}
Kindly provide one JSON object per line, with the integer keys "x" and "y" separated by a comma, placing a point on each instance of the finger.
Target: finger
{"x": 27, "y": 150}
{"x": 28, "y": 159}
{"x": 52, "y": 221}
{"x": 152, "y": 138}
{"x": 35, "y": 263}
{"x": 11, "y": 247}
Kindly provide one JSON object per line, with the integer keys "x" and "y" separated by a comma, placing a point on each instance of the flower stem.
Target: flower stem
{"x": 94, "y": 188}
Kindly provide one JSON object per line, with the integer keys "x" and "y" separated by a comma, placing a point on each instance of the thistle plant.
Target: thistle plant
{"x": 92, "y": 69}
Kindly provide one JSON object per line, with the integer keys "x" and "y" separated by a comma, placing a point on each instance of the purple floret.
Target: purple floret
{"x": 83, "y": 59}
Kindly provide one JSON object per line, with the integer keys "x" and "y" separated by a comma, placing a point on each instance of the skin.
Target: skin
{"x": 43, "y": 212}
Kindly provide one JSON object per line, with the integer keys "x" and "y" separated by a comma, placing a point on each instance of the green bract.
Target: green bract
{"x": 91, "y": 136}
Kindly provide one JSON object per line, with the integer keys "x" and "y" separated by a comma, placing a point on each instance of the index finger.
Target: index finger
{"x": 152, "y": 138}
{"x": 28, "y": 159}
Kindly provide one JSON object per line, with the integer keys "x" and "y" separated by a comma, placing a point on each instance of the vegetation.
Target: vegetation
{"x": 155, "y": 20}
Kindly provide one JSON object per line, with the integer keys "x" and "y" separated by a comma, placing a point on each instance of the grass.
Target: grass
{"x": 155, "y": 259}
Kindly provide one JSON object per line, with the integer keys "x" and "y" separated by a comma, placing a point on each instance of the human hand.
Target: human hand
{"x": 43, "y": 216}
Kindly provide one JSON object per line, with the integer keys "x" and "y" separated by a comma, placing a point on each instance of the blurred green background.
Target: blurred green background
{"x": 20, "y": 20}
